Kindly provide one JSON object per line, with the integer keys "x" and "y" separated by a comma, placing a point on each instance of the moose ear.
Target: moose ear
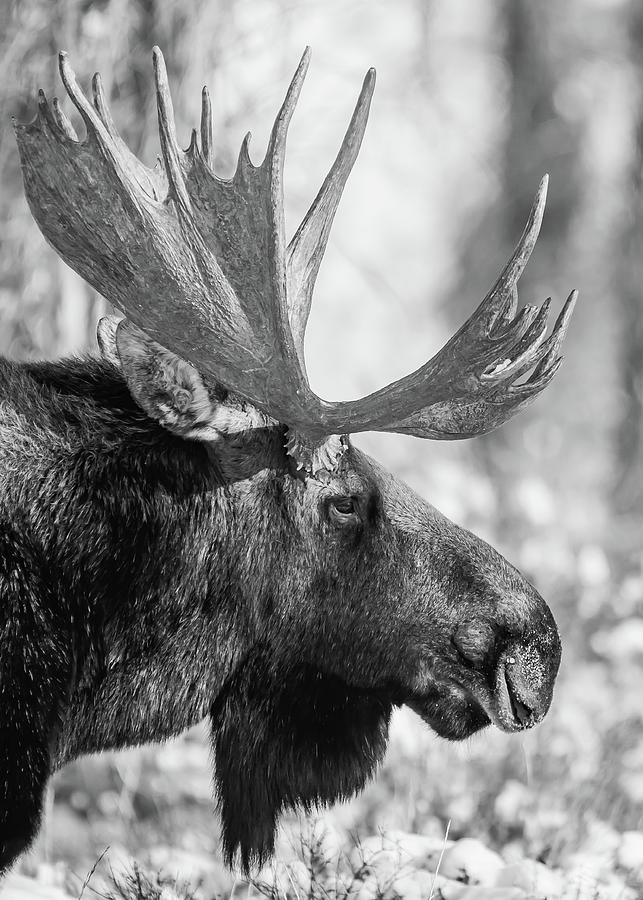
{"x": 165, "y": 386}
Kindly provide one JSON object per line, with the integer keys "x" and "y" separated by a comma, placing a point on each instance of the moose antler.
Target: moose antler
{"x": 201, "y": 265}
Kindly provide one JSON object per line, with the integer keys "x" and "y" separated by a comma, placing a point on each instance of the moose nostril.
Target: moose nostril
{"x": 521, "y": 712}
{"x": 473, "y": 640}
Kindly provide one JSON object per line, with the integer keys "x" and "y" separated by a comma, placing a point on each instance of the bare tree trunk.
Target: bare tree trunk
{"x": 537, "y": 140}
{"x": 628, "y": 495}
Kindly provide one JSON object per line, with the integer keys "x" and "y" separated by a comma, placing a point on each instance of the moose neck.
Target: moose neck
{"x": 141, "y": 531}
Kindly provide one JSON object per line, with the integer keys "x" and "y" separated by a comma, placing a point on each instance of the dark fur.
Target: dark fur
{"x": 307, "y": 738}
{"x": 148, "y": 581}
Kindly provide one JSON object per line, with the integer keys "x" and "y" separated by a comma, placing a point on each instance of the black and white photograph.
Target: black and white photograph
{"x": 321, "y": 450}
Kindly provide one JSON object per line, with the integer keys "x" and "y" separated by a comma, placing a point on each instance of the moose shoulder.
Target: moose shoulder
{"x": 186, "y": 529}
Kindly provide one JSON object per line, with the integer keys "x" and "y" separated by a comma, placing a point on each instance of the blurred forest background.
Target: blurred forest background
{"x": 475, "y": 102}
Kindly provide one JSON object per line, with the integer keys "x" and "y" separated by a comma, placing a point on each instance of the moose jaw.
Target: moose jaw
{"x": 186, "y": 528}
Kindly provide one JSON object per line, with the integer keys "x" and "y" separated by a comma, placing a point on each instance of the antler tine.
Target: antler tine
{"x": 167, "y": 132}
{"x": 93, "y": 122}
{"x": 555, "y": 341}
{"x": 512, "y": 331}
{"x": 306, "y": 249}
{"x": 502, "y": 298}
{"x": 273, "y": 165}
{"x": 100, "y": 104}
{"x": 206, "y": 128}
{"x": 276, "y": 151}
{"x": 63, "y": 122}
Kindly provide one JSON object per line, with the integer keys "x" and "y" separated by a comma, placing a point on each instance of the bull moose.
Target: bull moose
{"x": 186, "y": 529}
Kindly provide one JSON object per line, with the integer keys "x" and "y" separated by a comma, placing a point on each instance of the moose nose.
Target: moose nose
{"x": 521, "y": 674}
{"x": 523, "y": 687}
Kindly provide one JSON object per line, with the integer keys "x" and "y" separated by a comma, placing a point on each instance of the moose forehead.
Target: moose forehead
{"x": 257, "y": 461}
{"x": 258, "y": 456}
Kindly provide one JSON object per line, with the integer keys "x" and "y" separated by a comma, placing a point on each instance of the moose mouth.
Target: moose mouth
{"x": 455, "y": 710}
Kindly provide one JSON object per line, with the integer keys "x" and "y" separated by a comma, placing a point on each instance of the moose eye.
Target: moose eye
{"x": 343, "y": 509}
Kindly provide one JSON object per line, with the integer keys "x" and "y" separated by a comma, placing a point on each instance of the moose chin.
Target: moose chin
{"x": 186, "y": 529}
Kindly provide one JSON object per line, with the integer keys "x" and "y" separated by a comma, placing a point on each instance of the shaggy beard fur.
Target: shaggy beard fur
{"x": 287, "y": 739}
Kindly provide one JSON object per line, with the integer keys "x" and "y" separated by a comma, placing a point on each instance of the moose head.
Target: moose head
{"x": 211, "y": 542}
